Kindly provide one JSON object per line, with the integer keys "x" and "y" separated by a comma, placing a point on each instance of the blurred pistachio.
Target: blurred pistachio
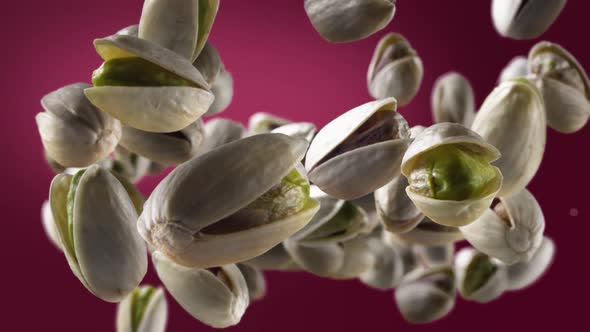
{"x": 517, "y": 67}
{"x": 511, "y": 232}
{"x": 387, "y": 269}
{"x": 129, "y": 165}
{"x": 524, "y": 274}
{"x": 480, "y": 278}
{"x": 453, "y": 100}
{"x": 395, "y": 209}
{"x": 416, "y": 130}
{"x": 49, "y": 225}
{"x": 223, "y": 90}
{"x": 367, "y": 203}
{"x": 564, "y": 84}
{"x": 276, "y": 259}
{"x": 209, "y": 63}
{"x": 450, "y": 176}
{"x": 95, "y": 219}
{"x": 347, "y": 21}
{"x": 428, "y": 233}
{"x": 369, "y": 139}
{"x": 143, "y": 310}
{"x": 260, "y": 123}
{"x": 54, "y": 165}
{"x": 74, "y": 132}
{"x": 216, "y": 297}
{"x": 219, "y": 132}
{"x": 260, "y": 198}
{"x": 305, "y": 130}
{"x": 525, "y": 19}
{"x": 426, "y": 295}
{"x": 435, "y": 255}
{"x": 254, "y": 280}
{"x": 395, "y": 70}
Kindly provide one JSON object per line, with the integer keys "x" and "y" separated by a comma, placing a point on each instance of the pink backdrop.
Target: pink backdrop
{"x": 280, "y": 65}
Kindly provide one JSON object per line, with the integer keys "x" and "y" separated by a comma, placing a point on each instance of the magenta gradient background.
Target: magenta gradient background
{"x": 280, "y": 65}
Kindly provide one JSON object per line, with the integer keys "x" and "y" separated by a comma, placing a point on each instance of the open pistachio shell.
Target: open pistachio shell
{"x": 129, "y": 165}
{"x": 395, "y": 70}
{"x": 95, "y": 219}
{"x": 217, "y": 299}
{"x": 346, "y": 21}
{"x": 49, "y": 225}
{"x": 428, "y": 233}
{"x": 209, "y": 63}
{"x": 305, "y": 130}
{"x": 276, "y": 259}
{"x": 181, "y": 220}
{"x": 517, "y": 67}
{"x": 74, "y": 132}
{"x": 524, "y": 274}
{"x": 151, "y": 108}
{"x": 369, "y": 139}
{"x": 512, "y": 118}
{"x": 219, "y": 132}
{"x": 388, "y": 267}
{"x": 260, "y": 123}
{"x": 478, "y": 154}
{"x": 435, "y": 255}
{"x": 511, "y": 232}
{"x": 395, "y": 209}
{"x": 525, "y": 19}
{"x": 254, "y": 280}
{"x": 480, "y": 278}
{"x": 223, "y": 90}
{"x": 143, "y": 310}
{"x": 564, "y": 84}
{"x": 453, "y": 100}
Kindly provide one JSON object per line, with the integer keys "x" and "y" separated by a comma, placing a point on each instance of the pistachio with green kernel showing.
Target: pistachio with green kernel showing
{"x": 453, "y": 100}
{"x": 260, "y": 201}
{"x": 359, "y": 151}
{"x": 517, "y": 67}
{"x": 95, "y": 219}
{"x": 564, "y": 84}
{"x": 524, "y": 274}
{"x": 451, "y": 179}
{"x": 261, "y": 122}
{"x": 480, "y": 278}
{"x": 395, "y": 70}
{"x": 129, "y": 165}
{"x": 525, "y": 19}
{"x": 144, "y": 310}
{"x": 74, "y": 132}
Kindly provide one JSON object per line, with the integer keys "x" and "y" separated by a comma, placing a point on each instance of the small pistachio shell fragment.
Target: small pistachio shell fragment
{"x": 453, "y": 100}
{"x": 347, "y": 21}
{"x": 74, "y": 132}
{"x": 517, "y": 67}
{"x": 395, "y": 209}
{"x": 276, "y": 259}
{"x": 305, "y": 130}
{"x": 143, "y": 310}
{"x": 369, "y": 139}
{"x": 218, "y": 300}
{"x": 223, "y": 90}
{"x": 479, "y": 278}
{"x": 260, "y": 123}
{"x": 428, "y": 233}
{"x": 524, "y": 274}
{"x": 387, "y": 269}
{"x": 395, "y": 70}
{"x": 525, "y": 19}
{"x": 426, "y": 295}
{"x": 512, "y": 232}
{"x": 435, "y": 255}
{"x": 255, "y": 281}
{"x": 49, "y": 225}
{"x": 219, "y": 132}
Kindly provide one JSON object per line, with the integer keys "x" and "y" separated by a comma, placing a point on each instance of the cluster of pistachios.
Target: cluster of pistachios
{"x": 366, "y": 197}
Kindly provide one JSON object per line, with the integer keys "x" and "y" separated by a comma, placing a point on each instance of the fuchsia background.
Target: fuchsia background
{"x": 280, "y": 65}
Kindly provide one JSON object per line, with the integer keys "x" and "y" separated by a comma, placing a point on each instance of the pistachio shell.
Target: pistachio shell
{"x": 216, "y": 300}
{"x": 395, "y": 209}
{"x": 435, "y": 255}
{"x": 154, "y": 312}
{"x": 524, "y": 274}
{"x": 276, "y": 259}
{"x": 49, "y": 225}
{"x": 329, "y": 207}
{"x": 479, "y": 277}
{"x": 209, "y": 63}
{"x": 132, "y": 30}
{"x": 429, "y": 233}
{"x": 517, "y": 67}
{"x": 305, "y": 130}
{"x": 512, "y": 118}
{"x": 512, "y": 237}
{"x": 223, "y": 89}
{"x": 129, "y": 165}
{"x": 255, "y": 281}
{"x": 260, "y": 123}
{"x": 219, "y": 132}
{"x": 453, "y": 100}
{"x": 387, "y": 269}
{"x": 524, "y": 19}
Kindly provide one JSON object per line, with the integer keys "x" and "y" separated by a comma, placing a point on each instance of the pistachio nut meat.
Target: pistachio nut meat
{"x": 220, "y": 131}
{"x": 524, "y": 274}
{"x": 450, "y": 175}
{"x": 387, "y": 269}
{"x": 395, "y": 70}
{"x": 453, "y": 100}
{"x": 435, "y": 255}
{"x": 517, "y": 67}
{"x": 525, "y": 19}
{"x": 217, "y": 297}
{"x": 512, "y": 231}
{"x": 143, "y": 310}
{"x": 254, "y": 280}
{"x": 49, "y": 225}
{"x": 74, "y": 132}
{"x": 261, "y": 122}
{"x": 146, "y": 86}
{"x": 564, "y": 84}
{"x": 512, "y": 118}
{"x": 359, "y": 151}
{"x": 260, "y": 197}
{"x": 95, "y": 219}
{"x": 347, "y": 21}
{"x": 305, "y": 130}
{"x": 480, "y": 278}
{"x": 395, "y": 209}
{"x": 428, "y": 233}
{"x": 276, "y": 259}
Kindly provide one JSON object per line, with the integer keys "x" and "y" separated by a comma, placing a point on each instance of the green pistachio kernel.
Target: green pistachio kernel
{"x": 139, "y": 301}
{"x": 479, "y": 271}
{"x": 343, "y": 222}
{"x": 452, "y": 172}
{"x": 135, "y": 71}
{"x": 70, "y": 207}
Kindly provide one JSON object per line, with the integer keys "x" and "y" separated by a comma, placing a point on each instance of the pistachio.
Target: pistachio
{"x": 219, "y": 132}
{"x": 49, "y": 225}
{"x": 428, "y": 233}
{"x": 435, "y": 255}
{"x": 524, "y": 19}
{"x": 395, "y": 209}
{"x": 517, "y": 67}
{"x": 132, "y": 30}
{"x": 276, "y": 259}
{"x": 524, "y": 274}
{"x": 480, "y": 278}
{"x": 74, "y": 132}
{"x": 129, "y": 165}
{"x": 305, "y": 130}
{"x": 254, "y": 280}
{"x": 387, "y": 269}
{"x": 143, "y": 310}
{"x": 452, "y": 99}
{"x": 223, "y": 90}
{"x": 395, "y": 70}
{"x": 260, "y": 123}
{"x": 209, "y": 63}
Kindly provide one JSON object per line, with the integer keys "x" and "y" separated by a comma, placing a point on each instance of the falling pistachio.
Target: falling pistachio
{"x": 428, "y": 233}
{"x": 395, "y": 209}
{"x": 524, "y": 274}
{"x": 254, "y": 280}
{"x": 143, "y": 310}
{"x": 49, "y": 225}
{"x": 525, "y": 19}
{"x": 219, "y": 132}
{"x": 260, "y": 123}
{"x": 480, "y": 278}
{"x": 517, "y": 67}
{"x": 452, "y": 99}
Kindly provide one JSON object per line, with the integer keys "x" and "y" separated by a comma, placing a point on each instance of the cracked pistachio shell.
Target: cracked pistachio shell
{"x": 209, "y": 63}
{"x": 426, "y": 295}
{"x": 223, "y": 90}
{"x": 144, "y": 310}
{"x": 164, "y": 148}
{"x": 49, "y": 225}
{"x": 524, "y": 274}
{"x": 182, "y": 26}
{"x": 276, "y": 259}
{"x": 451, "y": 213}
{"x": 395, "y": 209}
{"x": 305, "y": 130}
{"x": 388, "y": 267}
{"x": 74, "y": 132}
{"x": 480, "y": 278}
{"x": 186, "y": 216}
{"x": 564, "y": 84}
{"x": 347, "y": 21}
{"x": 525, "y": 19}
{"x": 220, "y": 131}
{"x": 155, "y": 109}
{"x": 435, "y": 255}
{"x": 95, "y": 219}
{"x": 129, "y": 165}
{"x": 453, "y": 100}
{"x": 260, "y": 123}
{"x": 511, "y": 232}
{"x": 395, "y": 70}
{"x": 517, "y": 67}
{"x": 428, "y": 233}
{"x": 369, "y": 139}
{"x": 217, "y": 299}
{"x": 512, "y": 118}
{"x": 254, "y": 280}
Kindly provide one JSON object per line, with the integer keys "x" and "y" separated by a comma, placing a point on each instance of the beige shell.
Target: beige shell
{"x": 428, "y": 233}
{"x": 448, "y": 212}
{"x": 395, "y": 209}
{"x": 524, "y": 274}
{"x": 276, "y": 259}
{"x": 525, "y": 19}
{"x": 220, "y": 131}
{"x": 129, "y": 165}
{"x": 153, "y": 319}
{"x": 305, "y": 130}
{"x": 388, "y": 266}
{"x": 512, "y": 118}
{"x": 514, "y": 240}
{"x": 255, "y": 281}
{"x": 435, "y": 255}
{"x": 493, "y": 287}
{"x": 517, "y": 67}
{"x": 261, "y": 122}
{"x": 452, "y": 99}
{"x": 131, "y": 30}
{"x": 223, "y": 90}
{"x": 209, "y": 63}
{"x": 49, "y": 225}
